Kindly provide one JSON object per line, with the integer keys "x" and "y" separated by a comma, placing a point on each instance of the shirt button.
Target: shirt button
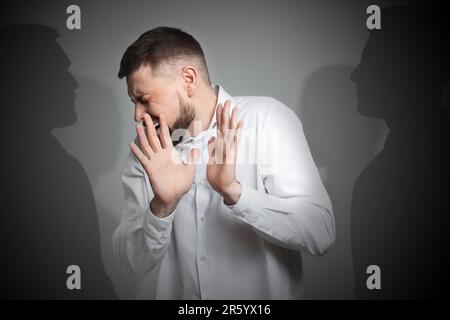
{"x": 202, "y": 218}
{"x": 202, "y": 258}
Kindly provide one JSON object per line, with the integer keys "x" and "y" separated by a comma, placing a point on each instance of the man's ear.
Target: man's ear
{"x": 190, "y": 78}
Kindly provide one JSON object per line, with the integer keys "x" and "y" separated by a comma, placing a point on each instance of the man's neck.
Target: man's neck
{"x": 204, "y": 111}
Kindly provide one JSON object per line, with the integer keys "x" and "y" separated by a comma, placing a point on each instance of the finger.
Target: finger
{"x": 219, "y": 148}
{"x": 147, "y": 150}
{"x": 139, "y": 154}
{"x": 234, "y": 117}
{"x": 211, "y": 149}
{"x": 151, "y": 133}
{"x": 166, "y": 140}
{"x": 219, "y": 116}
{"x": 233, "y": 125}
{"x": 237, "y": 137}
{"x": 232, "y": 151}
{"x": 229, "y": 146}
{"x": 175, "y": 157}
{"x": 225, "y": 116}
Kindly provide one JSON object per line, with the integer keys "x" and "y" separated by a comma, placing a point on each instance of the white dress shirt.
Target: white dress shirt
{"x": 208, "y": 250}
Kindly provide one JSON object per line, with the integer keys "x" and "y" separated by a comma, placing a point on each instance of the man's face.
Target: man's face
{"x": 157, "y": 94}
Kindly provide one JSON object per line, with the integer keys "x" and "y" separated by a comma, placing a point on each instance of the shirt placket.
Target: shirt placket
{"x": 202, "y": 194}
{"x": 201, "y": 201}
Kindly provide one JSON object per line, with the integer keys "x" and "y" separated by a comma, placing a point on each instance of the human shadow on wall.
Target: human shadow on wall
{"x": 95, "y": 139}
{"x": 400, "y": 203}
{"x": 49, "y": 219}
{"x": 342, "y": 143}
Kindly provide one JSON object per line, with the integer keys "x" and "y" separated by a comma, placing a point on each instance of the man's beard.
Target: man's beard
{"x": 182, "y": 122}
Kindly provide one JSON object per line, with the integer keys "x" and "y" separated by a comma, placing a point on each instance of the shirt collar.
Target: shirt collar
{"x": 222, "y": 96}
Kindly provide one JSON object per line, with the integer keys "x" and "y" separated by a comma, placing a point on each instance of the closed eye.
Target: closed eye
{"x": 141, "y": 101}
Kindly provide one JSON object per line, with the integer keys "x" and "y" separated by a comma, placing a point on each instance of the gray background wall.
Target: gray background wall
{"x": 300, "y": 52}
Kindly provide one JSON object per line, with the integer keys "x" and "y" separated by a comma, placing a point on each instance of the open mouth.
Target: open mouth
{"x": 156, "y": 123}
{"x": 157, "y": 126}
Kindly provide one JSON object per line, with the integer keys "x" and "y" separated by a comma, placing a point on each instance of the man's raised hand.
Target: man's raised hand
{"x": 170, "y": 179}
{"x": 221, "y": 170}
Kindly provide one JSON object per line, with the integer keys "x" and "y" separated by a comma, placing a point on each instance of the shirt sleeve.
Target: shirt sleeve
{"x": 292, "y": 208}
{"x": 141, "y": 239}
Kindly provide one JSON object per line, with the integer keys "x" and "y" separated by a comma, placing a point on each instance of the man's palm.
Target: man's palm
{"x": 169, "y": 177}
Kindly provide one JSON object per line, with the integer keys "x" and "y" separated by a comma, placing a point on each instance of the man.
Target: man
{"x": 225, "y": 212}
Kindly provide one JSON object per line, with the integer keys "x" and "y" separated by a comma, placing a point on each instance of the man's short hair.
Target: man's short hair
{"x": 162, "y": 45}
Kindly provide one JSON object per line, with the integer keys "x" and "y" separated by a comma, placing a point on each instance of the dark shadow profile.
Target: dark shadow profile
{"x": 342, "y": 143}
{"x": 98, "y": 124}
{"x": 400, "y": 203}
{"x": 48, "y": 218}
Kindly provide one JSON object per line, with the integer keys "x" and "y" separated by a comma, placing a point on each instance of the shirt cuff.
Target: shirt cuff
{"x": 156, "y": 226}
{"x": 249, "y": 200}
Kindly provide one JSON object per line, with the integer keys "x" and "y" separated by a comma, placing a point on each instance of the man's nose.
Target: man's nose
{"x": 139, "y": 112}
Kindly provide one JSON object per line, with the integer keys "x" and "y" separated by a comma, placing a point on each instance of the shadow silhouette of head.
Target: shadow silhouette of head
{"x": 404, "y": 66}
{"x": 342, "y": 142}
{"x": 336, "y": 132}
{"x": 399, "y": 221}
{"x": 36, "y": 86}
{"x": 50, "y": 219}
